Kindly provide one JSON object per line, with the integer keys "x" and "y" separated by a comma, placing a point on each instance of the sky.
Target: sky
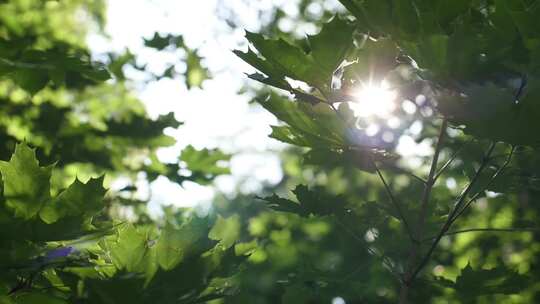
{"x": 216, "y": 115}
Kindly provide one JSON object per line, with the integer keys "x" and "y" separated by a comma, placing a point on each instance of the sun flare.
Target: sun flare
{"x": 374, "y": 100}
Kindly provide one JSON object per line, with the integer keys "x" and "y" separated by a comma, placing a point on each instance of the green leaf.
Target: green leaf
{"x": 128, "y": 248}
{"x": 314, "y": 201}
{"x": 26, "y": 184}
{"x": 159, "y": 42}
{"x": 79, "y": 199}
{"x": 31, "y": 80}
{"x": 196, "y": 73}
{"x": 226, "y": 231}
{"x": 472, "y": 283}
{"x": 330, "y": 46}
{"x": 447, "y": 11}
{"x": 430, "y": 52}
{"x": 521, "y": 174}
{"x": 491, "y": 112}
{"x": 283, "y": 56}
{"x": 170, "y": 247}
{"x": 281, "y": 59}
{"x": 378, "y": 15}
{"x": 281, "y": 204}
{"x": 205, "y": 161}
{"x": 245, "y": 248}
{"x": 275, "y": 75}
{"x": 406, "y": 16}
{"x": 318, "y": 201}
{"x": 308, "y": 125}
{"x": 32, "y": 70}
{"x": 116, "y": 66}
{"x": 372, "y": 61}
{"x": 141, "y": 127}
{"x": 353, "y": 7}
{"x": 175, "y": 244}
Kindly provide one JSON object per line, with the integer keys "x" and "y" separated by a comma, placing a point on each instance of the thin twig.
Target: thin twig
{"x": 491, "y": 180}
{"x": 525, "y": 229}
{"x": 461, "y": 199}
{"x": 458, "y": 205}
{"x": 450, "y": 160}
{"x": 407, "y": 172}
{"x": 395, "y": 202}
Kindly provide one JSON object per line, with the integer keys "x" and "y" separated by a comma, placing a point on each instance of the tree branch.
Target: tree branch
{"x": 450, "y": 160}
{"x": 458, "y": 205}
{"x": 386, "y": 187}
{"x": 430, "y": 182}
{"x": 524, "y": 229}
{"x": 491, "y": 180}
{"x": 407, "y": 172}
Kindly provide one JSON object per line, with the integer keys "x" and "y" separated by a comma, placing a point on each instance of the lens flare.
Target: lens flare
{"x": 374, "y": 100}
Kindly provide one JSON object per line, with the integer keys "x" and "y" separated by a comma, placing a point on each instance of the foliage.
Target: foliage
{"x": 362, "y": 224}
{"x": 195, "y": 73}
{"x": 450, "y": 55}
{"x": 59, "y": 242}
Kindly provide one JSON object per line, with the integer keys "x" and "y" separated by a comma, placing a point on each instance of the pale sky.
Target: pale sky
{"x": 216, "y": 115}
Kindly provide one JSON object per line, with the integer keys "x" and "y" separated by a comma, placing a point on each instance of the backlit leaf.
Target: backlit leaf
{"x": 26, "y": 184}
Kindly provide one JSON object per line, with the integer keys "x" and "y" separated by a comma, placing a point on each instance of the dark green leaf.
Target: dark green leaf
{"x": 78, "y": 199}
{"x": 472, "y": 283}
{"x": 26, "y": 184}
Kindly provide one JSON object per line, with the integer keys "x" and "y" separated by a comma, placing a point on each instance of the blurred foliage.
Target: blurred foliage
{"x": 195, "y": 73}
{"x": 64, "y": 240}
{"x": 54, "y": 97}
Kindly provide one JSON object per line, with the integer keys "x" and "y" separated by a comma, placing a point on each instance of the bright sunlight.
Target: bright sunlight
{"x": 374, "y": 100}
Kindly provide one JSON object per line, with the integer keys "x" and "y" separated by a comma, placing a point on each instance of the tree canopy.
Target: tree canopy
{"x": 411, "y": 172}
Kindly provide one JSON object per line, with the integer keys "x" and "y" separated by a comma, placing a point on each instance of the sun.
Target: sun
{"x": 374, "y": 100}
